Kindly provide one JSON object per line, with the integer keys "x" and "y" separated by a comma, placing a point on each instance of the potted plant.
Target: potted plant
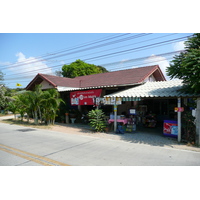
{"x": 96, "y": 120}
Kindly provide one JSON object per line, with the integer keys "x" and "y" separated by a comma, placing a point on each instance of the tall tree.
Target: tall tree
{"x": 81, "y": 68}
{"x": 186, "y": 65}
{"x": 35, "y": 98}
{"x": 50, "y": 103}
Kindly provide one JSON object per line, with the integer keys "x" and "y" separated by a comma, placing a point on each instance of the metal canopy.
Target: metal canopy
{"x": 153, "y": 90}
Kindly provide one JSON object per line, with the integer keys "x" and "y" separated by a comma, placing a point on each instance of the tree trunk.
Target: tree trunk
{"x": 40, "y": 115}
{"x": 35, "y": 117}
{"x": 27, "y": 118}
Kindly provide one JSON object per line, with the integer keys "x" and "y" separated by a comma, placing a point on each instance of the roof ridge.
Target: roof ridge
{"x": 54, "y": 76}
{"x": 117, "y": 71}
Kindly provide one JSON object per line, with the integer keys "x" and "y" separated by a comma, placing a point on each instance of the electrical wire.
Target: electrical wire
{"x": 119, "y": 52}
{"x": 141, "y": 48}
{"x": 78, "y": 51}
{"x": 68, "y": 49}
{"x": 116, "y": 63}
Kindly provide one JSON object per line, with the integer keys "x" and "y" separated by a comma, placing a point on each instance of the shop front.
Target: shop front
{"x": 82, "y": 101}
{"x": 155, "y": 104}
{"x": 143, "y": 112}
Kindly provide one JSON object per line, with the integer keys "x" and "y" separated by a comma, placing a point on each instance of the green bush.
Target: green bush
{"x": 96, "y": 119}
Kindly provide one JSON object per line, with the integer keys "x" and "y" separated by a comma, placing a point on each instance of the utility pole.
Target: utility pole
{"x": 179, "y": 121}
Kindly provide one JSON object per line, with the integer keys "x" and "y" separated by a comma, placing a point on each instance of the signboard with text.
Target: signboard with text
{"x": 85, "y": 97}
{"x": 112, "y": 100}
{"x": 170, "y": 128}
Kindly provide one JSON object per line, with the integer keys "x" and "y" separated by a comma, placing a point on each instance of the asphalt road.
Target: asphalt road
{"x": 22, "y": 146}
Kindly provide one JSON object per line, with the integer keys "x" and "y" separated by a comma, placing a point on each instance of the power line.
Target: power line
{"x": 40, "y": 59}
{"x": 97, "y": 57}
{"x": 115, "y": 48}
{"x": 120, "y": 52}
{"x": 128, "y": 50}
{"x": 114, "y": 63}
{"x": 77, "y": 46}
{"x": 120, "y": 68}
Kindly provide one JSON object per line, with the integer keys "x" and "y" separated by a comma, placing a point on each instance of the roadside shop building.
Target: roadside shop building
{"x": 144, "y": 89}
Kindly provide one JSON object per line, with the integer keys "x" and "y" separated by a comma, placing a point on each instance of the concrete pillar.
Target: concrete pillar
{"x": 115, "y": 117}
{"x": 179, "y": 120}
{"x": 198, "y": 122}
{"x": 67, "y": 118}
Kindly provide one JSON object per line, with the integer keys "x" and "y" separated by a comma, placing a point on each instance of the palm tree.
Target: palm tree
{"x": 50, "y": 103}
{"x": 35, "y": 98}
{"x": 23, "y": 104}
{"x": 12, "y": 106}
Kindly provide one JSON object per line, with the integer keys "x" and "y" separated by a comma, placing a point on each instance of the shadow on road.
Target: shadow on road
{"x": 150, "y": 136}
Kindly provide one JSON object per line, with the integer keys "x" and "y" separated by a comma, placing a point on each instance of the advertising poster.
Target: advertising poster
{"x": 84, "y": 97}
{"x": 170, "y": 128}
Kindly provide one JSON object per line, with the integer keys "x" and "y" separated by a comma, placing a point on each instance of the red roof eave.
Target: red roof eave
{"x": 41, "y": 76}
{"x": 152, "y": 71}
{"x": 54, "y": 85}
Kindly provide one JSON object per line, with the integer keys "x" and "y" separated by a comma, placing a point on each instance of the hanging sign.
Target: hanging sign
{"x": 112, "y": 100}
{"x": 178, "y": 109}
{"x": 170, "y": 128}
{"x": 132, "y": 111}
{"x": 85, "y": 97}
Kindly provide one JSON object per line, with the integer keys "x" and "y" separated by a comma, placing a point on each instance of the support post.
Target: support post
{"x": 115, "y": 117}
{"x": 67, "y": 118}
{"x": 179, "y": 120}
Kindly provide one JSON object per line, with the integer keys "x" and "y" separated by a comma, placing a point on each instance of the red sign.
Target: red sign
{"x": 179, "y": 109}
{"x": 84, "y": 97}
{"x": 170, "y": 127}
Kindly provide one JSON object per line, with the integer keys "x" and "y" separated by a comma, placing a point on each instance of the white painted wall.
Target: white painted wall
{"x": 150, "y": 79}
{"x": 46, "y": 85}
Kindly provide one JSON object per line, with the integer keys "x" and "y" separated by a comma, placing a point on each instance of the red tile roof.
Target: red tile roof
{"x": 122, "y": 77}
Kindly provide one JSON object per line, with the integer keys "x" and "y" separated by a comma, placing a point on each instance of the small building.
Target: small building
{"x": 143, "y": 89}
{"x": 97, "y": 85}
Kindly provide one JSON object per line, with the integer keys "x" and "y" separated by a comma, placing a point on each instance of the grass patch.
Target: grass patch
{"x": 25, "y": 123}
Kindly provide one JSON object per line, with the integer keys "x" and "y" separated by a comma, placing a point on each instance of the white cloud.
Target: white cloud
{"x": 4, "y": 63}
{"x": 30, "y": 66}
{"x": 158, "y": 60}
{"x": 179, "y": 46}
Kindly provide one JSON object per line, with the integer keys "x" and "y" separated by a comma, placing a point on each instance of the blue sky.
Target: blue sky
{"x": 35, "y": 49}
{"x": 31, "y": 29}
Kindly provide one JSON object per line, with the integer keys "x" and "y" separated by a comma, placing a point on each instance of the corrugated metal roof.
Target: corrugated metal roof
{"x": 154, "y": 89}
{"x": 63, "y": 89}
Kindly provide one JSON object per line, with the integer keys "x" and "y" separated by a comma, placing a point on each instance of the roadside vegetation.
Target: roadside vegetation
{"x": 41, "y": 106}
{"x": 96, "y": 120}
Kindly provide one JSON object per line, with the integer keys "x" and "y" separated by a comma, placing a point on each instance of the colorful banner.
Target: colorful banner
{"x": 178, "y": 109}
{"x": 170, "y": 128}
{"x": 84, "y": 97}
